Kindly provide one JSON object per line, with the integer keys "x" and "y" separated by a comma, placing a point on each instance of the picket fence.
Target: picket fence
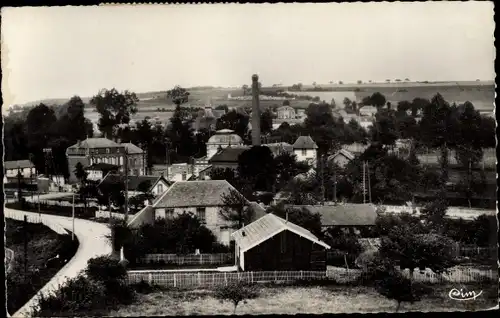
{"x": 191, "y": 259}
{"x": 33, "y": 218}
{"x": 215, "y": 278}
{"x": 105, "y": 215}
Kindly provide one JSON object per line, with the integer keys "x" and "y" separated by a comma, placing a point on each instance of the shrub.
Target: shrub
{"x": 105, "y": 269}
{"x": 236, "y": 292}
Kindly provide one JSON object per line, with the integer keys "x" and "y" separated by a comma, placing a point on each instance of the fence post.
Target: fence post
{"x": 150, "y": 278}
{"x": 225, "y": 277}
{"x": 175, "y": 282}
{"x": 301, "y": 275}
{"x": 239, "y": 276}
{"x": 251, "y": 274}
{"x": 275, "y": 276}
{"x": 201, "y": 259}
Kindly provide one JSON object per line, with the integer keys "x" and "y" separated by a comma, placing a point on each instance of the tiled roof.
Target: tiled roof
{"x": 229, "y": 154}
{"x": 8, "y": 165}
{"x": 305, "y": 142}
{"x": 343, "y": 152}
{"x": 265, "y": 228}
{"x": 96, "y": 143}
{"x": 194, "y": 193}
{"x": 344, "y": 214}
{"x": 133, "y": 181}
{"x": 132, "y": 149}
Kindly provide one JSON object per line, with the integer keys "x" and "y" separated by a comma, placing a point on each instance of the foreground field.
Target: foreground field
{"x": 292, "y": 300}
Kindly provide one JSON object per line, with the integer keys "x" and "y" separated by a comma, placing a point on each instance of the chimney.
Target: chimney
{"x": 286, "y": 215}
{"x": 255, "y": 111}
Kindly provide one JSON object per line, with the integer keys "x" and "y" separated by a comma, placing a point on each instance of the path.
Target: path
{"x": 92, "y": 243}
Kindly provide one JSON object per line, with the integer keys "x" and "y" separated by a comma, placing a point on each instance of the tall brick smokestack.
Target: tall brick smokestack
{"x": 255, "y": 111}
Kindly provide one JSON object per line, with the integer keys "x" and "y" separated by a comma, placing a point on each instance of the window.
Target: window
{"x": 304, "y": 152}
{"x": 169, "y": 213}
{"x": 200, "y": 213}
{"x": 160, "y": 188}
{"x": 108, "y": 150}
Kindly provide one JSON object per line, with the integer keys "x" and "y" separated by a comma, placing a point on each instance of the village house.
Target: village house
{"x": 227, "y": 157}
{"x": 12, "y": 168}
{"x": 222, "y": 139}
{"x": 273, "y": 244}
{"x": 201, "y": 198}
{"x": 356, "y": 218}
{"x": 341, "y": 158}
{"x": 103, "y": 150}
{"x": 98, "y": 171}
{"x": 286, "y": 112}
{"x": 306, "y": 150}
{"x": 156, "y": 185}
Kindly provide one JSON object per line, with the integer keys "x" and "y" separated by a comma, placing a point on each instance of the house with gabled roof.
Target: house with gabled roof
{"x": 201, "y": 198}
{"x": 156, "y": 185}
{"x": 306, "y": 150}
{"x": 341, "y": 158}
{"x": 272, "y": 243}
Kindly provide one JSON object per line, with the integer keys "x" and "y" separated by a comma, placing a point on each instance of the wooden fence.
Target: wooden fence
{"x": 105, "y": 215}
{"x": 192, "y": 259}
{"x": 211, "y": 279}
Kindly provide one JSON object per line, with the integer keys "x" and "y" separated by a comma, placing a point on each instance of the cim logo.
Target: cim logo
{"x": 463, "y": 295}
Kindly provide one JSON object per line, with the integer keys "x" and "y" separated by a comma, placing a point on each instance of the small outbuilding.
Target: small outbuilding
{"x": 272, "y": 243}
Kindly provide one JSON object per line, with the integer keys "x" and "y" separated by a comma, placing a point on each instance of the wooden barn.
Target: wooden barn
{"x": 274, "y": 244}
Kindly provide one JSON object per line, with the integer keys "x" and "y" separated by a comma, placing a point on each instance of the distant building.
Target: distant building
{"x": 227, "y": 157}
{"x": 355, "y": 148}
{"x": 26, "y": 167}
{"x": 279, "y": 148}
{"x": 306, "y": 150}
{"x": 222, "y": 139}
{"x": 286, "y": 112}
{"x": 368, "y": 111}
{"x": 341, "y": 158}
{"x": 156, "y": 185}
{"x": 103, "y": 150}
{"x": 275, "y": 244}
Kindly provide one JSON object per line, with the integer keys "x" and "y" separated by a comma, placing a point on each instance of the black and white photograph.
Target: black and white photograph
{"x": 249, "y": 159}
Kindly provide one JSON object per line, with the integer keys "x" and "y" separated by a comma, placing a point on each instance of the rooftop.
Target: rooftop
{"x": 344, "y": 214}
{"x": 265, "y": 228}
{"x": 344, "y": 153}
{"x": 102, "y": 166}
{"x": 95, "y": 143}
{"x": 9, "y": 165}
{"x": 229, "y": 154}
{"x": 132, "y": 149}
{"x": 194, "y": 193}
{"x": 133, "y": 181}
{"x": 305, "y": 142}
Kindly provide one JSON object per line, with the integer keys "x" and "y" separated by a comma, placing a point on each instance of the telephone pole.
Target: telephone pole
{"x": 25, "y": 247}
{"x": 334, "y": 184}
{"x": 322, "y": 181}
{"x": 126, "y": 185}
{"x": 364, "y": 182}
{"x": 369, "y": 184}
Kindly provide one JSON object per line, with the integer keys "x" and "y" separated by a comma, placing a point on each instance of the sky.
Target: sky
{"x": 58, "y": 52}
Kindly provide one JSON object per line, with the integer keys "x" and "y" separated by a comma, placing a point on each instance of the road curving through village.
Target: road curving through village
{"x": 93, "y": 242}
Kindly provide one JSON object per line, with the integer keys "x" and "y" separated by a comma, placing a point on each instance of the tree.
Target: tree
{"x": 236, "y": 292}
{"x": 320, "y": 125}
{"x": 434, "y": 213}
{"x": 385, "y": 129}
{"x": 333, "y": 104}
{"x": 266, "y": 122}
{"x": 257, "y": 166}
{"x": 286, "y": 102}
{"x": 287, "y": 167}
{"x": 340, "y": 82}
{"x": 80, "y": 173}
{"x": 223, "y": 174}
{"x": 236, "y": 209}
{"x": 360, "y": 81}
{"x": 299, "y": 216}
{"x": 39, "y": 131}
{"x": 114, "y": 108}
{"x": 347, "y": 103}
{"x": 234, "y": 120}
{"x": 178, "y": 95}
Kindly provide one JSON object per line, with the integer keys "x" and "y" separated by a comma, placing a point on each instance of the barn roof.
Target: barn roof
{"x": 265, "y": 228}
{"x": 344, "y": 214}
{"x": 194, "y": 193}
{"x": 305, "y": 142}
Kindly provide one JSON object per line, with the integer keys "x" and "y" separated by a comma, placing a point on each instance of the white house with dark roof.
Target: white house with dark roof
{"x": 306, "y": 150}
{"x": 201, "y": 198}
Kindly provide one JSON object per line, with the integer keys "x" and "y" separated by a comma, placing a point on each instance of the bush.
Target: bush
{"x": 236, "y": 292}
{"x": 105, "y": 269}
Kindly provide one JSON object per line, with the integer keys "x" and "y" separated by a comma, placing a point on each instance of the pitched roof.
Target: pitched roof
{"x": 344, "y": 153}
{"x": 265, "y": 228}
{"x": 194, "y": 193}
{"x": 279, "y": 147}
{"x": 133, "y": 181}
{"x": 229, "y": 154}
{"x": 344, "y": 214}
{"x": 132, "y": 149}
{"x": 18, "y": 164}
{"x": 305, "y": 142}
{"x": 96, "y": 143}
{"x": 102, "y": 166}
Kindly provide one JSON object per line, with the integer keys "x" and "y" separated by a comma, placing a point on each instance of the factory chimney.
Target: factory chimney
{"x": 255, "y": 111}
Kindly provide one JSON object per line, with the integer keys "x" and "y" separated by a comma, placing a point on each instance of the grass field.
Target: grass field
{"x": 43, "y": 244}
{"x": 308, "y": 300}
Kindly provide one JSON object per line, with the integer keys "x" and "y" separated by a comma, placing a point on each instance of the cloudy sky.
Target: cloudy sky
{"x": 62, "y": 51}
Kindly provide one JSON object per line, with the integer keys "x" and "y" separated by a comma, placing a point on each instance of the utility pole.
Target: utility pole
{"x": 322, "y": 181}
{"x": 334, "y": 184}
{"x": 25, "y": 247}
{"x": 369, "y": 184}
{"x": 126, "y": 184}
{"x": 364, "y": 182}
{"x": 73, "y": 218}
